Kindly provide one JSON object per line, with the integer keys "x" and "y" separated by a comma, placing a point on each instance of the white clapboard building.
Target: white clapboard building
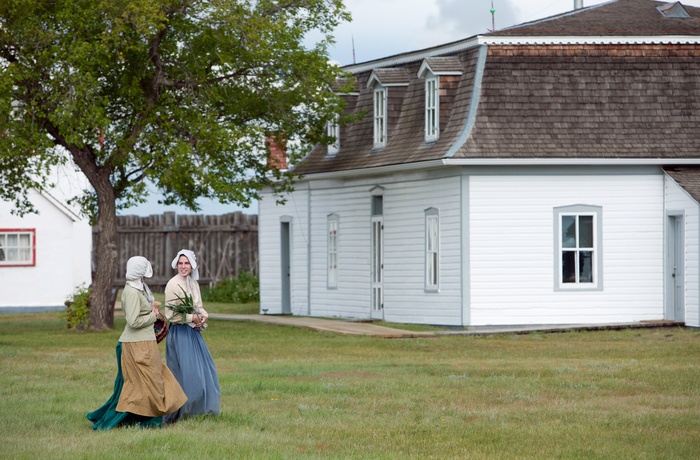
{"x": 548, "y": 173}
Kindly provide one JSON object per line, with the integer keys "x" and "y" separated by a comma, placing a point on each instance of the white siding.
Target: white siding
{"x": 351, "y": 299}
{"x": 506, "y": 220}
{"x": 511, "y": 249}
{"x": 269, "y": 244}
{"x": 405, "y": 201}
{"x": 405, "y": 299}
{"x": 678, "y": 200}
{"x": 63, "y": 247}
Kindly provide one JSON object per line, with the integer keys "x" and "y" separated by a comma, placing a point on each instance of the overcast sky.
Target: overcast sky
{"x": 381, "y": 28}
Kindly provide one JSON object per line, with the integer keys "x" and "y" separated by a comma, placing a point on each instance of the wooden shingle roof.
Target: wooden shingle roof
{"x": 607, "y": 101}
{"x": 620, "y": 17}
{"x": 391, "y": 77}
{"x": 444, "y": 65}
{"x": 341, "y": 83}
{"x": 687, "y": 177}
{"x": 630, "y": 98}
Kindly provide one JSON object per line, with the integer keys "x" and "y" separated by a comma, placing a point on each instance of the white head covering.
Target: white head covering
{"x": 138, "y": 268}
{"x": 193, "y": 262}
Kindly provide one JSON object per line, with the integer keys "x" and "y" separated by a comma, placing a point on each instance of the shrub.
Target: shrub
{"x": 243, "y": 289}
{"x": 77, "y": 313}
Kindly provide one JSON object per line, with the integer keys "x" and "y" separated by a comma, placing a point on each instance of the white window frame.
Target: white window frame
{"x": 432, "y": 109}
{"x": 432, "y": 250}
{"x": 333, "y": 130}
{"x": 17, "y": 247}
{"x": 380, "y": 117}
{"x": 596, "y": 248}
{"x": 332, "y": 272}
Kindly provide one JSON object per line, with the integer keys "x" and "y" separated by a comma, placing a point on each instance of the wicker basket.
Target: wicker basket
{"x": 160, "y": 327}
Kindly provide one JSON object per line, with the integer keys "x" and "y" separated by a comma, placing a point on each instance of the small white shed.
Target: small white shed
{"x": 43, "y": 257}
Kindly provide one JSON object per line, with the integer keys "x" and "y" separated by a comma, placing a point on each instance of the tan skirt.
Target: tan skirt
{"x": 150, "y": 389}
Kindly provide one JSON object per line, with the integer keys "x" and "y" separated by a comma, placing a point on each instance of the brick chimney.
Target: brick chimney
{"x": 277, "y": 151}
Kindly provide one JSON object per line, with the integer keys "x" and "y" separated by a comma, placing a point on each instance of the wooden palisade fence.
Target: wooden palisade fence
{"x": 225, "y": 245}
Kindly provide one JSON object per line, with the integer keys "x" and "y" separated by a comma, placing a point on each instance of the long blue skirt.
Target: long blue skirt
{"x": 189, "y": 360}
{"x": 107, "y": 417}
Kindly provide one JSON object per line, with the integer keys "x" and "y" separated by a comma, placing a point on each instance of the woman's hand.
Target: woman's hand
{"x": 197, "y": 320}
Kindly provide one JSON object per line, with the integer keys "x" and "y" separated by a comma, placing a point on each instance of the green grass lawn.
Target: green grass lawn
{"x": 295, "y": 393}
{"x": 214, "y": 307}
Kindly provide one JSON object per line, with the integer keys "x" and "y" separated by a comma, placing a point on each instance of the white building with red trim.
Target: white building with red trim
{"x": 44, "y": 256}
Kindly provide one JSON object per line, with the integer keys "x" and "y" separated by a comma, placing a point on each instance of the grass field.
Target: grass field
{"x": 294, "y": 393}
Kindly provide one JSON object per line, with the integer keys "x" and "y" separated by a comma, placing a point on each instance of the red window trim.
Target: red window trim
{"x": 22, "y": 230}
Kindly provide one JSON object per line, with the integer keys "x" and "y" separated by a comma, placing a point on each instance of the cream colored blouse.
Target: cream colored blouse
{"x": 173, "y": 289}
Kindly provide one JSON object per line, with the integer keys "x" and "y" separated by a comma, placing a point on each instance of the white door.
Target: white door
{"x": 676, "y": 307}
{"x": 377, "y": 267}
{"x": 286, "y": 267}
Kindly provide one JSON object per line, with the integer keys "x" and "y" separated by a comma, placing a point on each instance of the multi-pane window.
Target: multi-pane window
{"x": 377, "y": 252}
{"x": 333, "y": 131}
{"x": 432, "y": 109}
{"x": 333, "y": 251}
{"x": 380, "y": 116}
{"x": 432, "y": 249}
{"x": 17, "y": 246}
{"x": 578, "y": 246}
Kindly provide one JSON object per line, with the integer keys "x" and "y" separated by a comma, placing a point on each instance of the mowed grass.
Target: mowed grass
{"x": 213, "y": 307}
{"x": 294, "y": 393}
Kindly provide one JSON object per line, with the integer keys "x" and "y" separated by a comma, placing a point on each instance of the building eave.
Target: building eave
{"x": 570, "y": 161}
{"x": 479, "y": 40}
{"x": 590, "y": 40}
{"x": 60, "y": 206}
{"x": 413, "y": 56}
{"x": 451, "y": 162}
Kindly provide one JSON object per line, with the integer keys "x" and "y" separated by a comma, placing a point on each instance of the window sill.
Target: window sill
{"x": 578, "y": 288}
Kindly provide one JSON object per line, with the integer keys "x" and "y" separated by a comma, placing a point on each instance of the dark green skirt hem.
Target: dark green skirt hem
{"x": 107, "y": 417}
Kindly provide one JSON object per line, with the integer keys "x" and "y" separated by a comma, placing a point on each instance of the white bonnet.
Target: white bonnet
{"x": 138, "y": 267}
{"x": 193, "y": 262}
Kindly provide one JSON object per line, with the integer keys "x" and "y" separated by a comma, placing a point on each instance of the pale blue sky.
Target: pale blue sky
{"x": 208, "y": 207}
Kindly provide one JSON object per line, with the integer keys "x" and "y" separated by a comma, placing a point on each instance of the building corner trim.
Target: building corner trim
{"x": 473, "y": 104}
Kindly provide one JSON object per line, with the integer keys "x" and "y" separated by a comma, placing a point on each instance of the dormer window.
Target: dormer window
{"x": 380, "y": 115}
{"x": 333, "y": 131}
{"x": 349, "y": 92}
{"x": 380, "y": 81}
{"x": 432, "y": 109}
{"x": 441, "y": 75}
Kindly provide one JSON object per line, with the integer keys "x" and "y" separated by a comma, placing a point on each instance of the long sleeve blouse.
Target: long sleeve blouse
{"x": 139, "y": 317}
{"x": 175, "y": 288}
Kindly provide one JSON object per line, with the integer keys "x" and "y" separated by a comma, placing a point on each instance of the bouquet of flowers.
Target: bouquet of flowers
{"x": 185, "y": 306}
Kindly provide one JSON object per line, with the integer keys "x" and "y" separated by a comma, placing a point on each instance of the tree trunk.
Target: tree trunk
{"x": 101, "y": 309}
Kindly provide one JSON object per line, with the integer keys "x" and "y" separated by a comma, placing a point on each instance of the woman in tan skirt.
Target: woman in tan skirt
{"x": 144, "y": 389}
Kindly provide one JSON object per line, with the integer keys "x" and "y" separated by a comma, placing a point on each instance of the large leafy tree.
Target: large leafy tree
{"x": 177, "y": 93}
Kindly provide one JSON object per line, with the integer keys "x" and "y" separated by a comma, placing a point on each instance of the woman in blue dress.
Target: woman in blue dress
{"x": 186, "y": 353}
